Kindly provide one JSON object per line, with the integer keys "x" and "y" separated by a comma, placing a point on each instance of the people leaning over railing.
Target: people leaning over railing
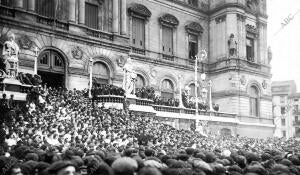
{"x": 106, "y": 89}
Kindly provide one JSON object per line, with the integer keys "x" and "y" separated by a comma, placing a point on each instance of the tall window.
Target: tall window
{"x": 296, "y": 108}
{"x": 254, "y": 101}
{"x": 138, "y": 32}
{"x": 50, "y": 60}
{"x": 91, "y": 15}
{"x": 100, "y": 73}
{"x": 7, "y": 2}
{"x": 193, "y": 46}
{"x": 250, "y": 49}
{"x": 283, "y": 122}
{"x": 282, "y": 110}
{"x": 167, "y": 40}
{"x": 167, "y": 89}
{"x": 46, "y": 8}
{"x": 192, "y": 87}
{"x": 296, "y": 119}
{"x": 140, "y": 81}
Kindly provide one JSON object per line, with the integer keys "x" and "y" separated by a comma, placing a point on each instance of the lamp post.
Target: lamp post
{"x": 202, "y": 56}
{"x": 91, "y": 77}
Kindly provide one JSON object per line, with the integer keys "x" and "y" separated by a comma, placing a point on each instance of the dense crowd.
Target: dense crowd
{"x": 63, "y": 132}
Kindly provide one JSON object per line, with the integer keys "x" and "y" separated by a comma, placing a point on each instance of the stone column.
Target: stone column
{"x": 71, "y": 4}
{"x": 81, "y": 12}
{"x": 115, "y": 16}
{"x": 123, "y": 18}
{"x": 18, "y": 3}
{"x": 31, "y": 5}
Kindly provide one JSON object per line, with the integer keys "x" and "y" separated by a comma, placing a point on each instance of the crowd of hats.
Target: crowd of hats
{"x": 106, "y": 89}
{"x": 64, "y": 128}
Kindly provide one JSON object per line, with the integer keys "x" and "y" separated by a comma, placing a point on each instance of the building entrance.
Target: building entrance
{"x": 51, "y": 68}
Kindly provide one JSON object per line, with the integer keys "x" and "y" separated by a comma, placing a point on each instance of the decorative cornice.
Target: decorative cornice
{"x": 169, "y": 19}
{"x": 194, "y": 27}
{"x": 220, "y": 19}
{"x": 140, "y": 10}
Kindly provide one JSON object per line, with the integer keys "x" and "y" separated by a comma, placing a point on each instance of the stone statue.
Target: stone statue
{"x": 10, "y": 55}
{"x": 232, "y": 45}
{"x": 129, "y": 78}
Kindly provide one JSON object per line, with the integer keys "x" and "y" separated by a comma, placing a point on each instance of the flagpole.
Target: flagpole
{"x": 91, "y": 77}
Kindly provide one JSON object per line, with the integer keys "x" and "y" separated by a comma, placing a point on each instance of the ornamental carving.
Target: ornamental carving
{"x": 77, "y": 53}
{"x": 169, "y": 20}
{"x": 251, "y": 31}
{"x": 25, "y": 42}
{"x": 264, "y": 84}
{"x": 121, "y": 61}
{"x": 194, "y": 27}
{"x": 140, "y": 9}
{"x": 220, "y": 19}
{"x": 243, "y": 80}
{"x": 252, "y": 5}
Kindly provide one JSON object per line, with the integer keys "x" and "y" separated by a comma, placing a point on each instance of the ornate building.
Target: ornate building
{"x": 162, "y": 37}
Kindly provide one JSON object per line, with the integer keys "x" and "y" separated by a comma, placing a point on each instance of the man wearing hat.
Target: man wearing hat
{"x": 62, "y": 168}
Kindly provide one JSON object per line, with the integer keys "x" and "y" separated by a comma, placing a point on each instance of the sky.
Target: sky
{"x": 284, "y": 41}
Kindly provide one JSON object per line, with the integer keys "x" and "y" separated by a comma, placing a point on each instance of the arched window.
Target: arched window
{"x": 100, "y": 73}
{"x": 140, "y": 81}
{"x": 52, "y": 61}
{"x": 254, "y": 101}
{"x": 167, "y": 89}
{"x": 192, "y": 92}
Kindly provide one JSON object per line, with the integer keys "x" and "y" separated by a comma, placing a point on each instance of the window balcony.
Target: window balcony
{"x": 99, "y": 34}
{"x": 53, "y": 22}
{"x": 168, "y": 57}
{"x": 138, "y": 51}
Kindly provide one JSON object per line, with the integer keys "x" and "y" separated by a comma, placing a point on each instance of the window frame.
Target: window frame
{"x": 98, "y": 14}
{"x": 254, "y": 101}
{"x": 167, "y": 91}
{"x": 101, "y": 77}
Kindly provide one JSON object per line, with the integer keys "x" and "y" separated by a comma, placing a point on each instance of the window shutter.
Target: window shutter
{"x": 167, "y": 40}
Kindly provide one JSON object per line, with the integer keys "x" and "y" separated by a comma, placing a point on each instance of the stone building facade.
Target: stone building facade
{"x": 285, "y": 104}
{"x": 162, "y": 37}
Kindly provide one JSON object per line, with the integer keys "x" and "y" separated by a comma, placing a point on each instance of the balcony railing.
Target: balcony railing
{"x": 53, "y": 22}
{"x": 168, "y": 57}
{"x": 99, "y": 34}
{"x": 166, "y": 108}
{"x": 144, "y": 102}
{"x": 138, "y": 50}
{"x": 109, "y": 99}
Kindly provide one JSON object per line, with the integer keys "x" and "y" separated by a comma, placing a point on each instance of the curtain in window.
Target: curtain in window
{"x": 91, "y": 15}
{"x": 167, "y": 40}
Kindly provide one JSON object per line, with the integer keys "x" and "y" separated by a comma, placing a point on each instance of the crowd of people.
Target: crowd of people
{"x": 63, "y": 132}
